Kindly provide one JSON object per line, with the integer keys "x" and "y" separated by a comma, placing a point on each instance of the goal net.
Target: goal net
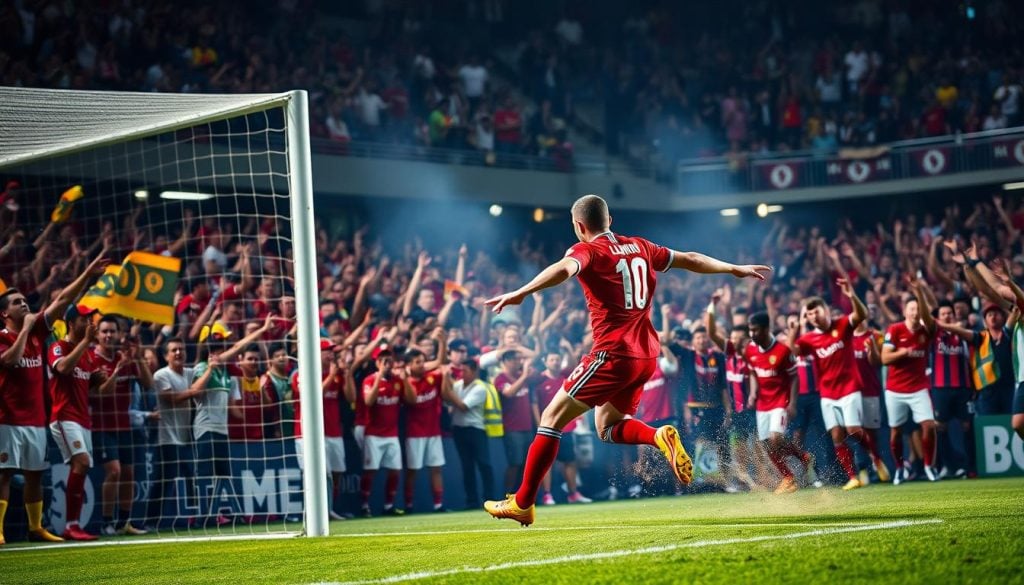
{"x": 207, "y": 316}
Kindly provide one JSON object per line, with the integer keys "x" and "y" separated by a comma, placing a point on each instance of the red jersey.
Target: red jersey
{"x": 515, "y": 410}
{"x": 737, "y": 376}
{"x": 255, "y": 406}
{"x": 70, "y": 393}
{"x": 950, "y": 361}
{"x": 544, "y": 388}
{"x": 834, "y": 366}
{"x": 110, "y": 409}
{"x": 910, "y": 374}
{"x": 871, "y": 384}
{"x": 656, "y": 401}
{"x": 334, "y": 394}
{"x": 710, "y": 371}
{"x": 774, "y": 368}
{"x": 423, "y": 419}
{"x": 382, "y": 417}
{"x": 22, "y": 401}
{"x": 805, "y": 375}
{"x": 617, "y": 276}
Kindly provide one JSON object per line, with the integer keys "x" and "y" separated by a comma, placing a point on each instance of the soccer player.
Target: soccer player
{"x": 951, "y": 390}
{"x": 617, "y": 276}
{"x": 773, "y": 395}
{"x": 867, "y": 354}
{"x": 382, "y": 395}
{"x": 174, "y": 431}
{"x": 122, "y": 363}
{"x": 905, "y": 351}
{"x": 737, "y": 378}
{"x": 22, "y": 403}
{"x": 423, "y": 446}
{"x": 72, "y": 376}
{"x": 831, "y": 343}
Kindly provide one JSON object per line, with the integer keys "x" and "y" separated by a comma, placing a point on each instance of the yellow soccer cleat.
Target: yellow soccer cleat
{"x": 853, "y": 484}
{"x": 508, "y": 508}
{"x": 787, "y": 486}
{"x": 882, "y": 471}
{"x": 667, "y": 439}
{"x": 43, "y": 535}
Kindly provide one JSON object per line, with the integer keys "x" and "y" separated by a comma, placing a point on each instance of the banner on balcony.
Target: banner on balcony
{"x": 853, "y": 172}
{"x": 1008, "y": 153}
{"x": 775, "y": 175}
{"x": 929, "y": 162}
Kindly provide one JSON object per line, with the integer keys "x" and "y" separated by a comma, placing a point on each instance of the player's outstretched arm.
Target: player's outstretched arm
{"x": 553, "y": 275}
{"x": 702, "y": 264}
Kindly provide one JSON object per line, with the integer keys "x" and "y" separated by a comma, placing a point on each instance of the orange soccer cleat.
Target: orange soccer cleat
{"x": 508, "y": 508}
{"x": 788, "y": 485}
{"x": 43, "y": 535}
{"x": 667, "y": 439}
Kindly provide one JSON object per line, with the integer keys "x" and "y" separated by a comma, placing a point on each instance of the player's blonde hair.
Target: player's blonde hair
{"x": 592, "y": 211}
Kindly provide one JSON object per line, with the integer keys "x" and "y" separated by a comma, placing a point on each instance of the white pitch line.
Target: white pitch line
{"x": 616, "y": 527}
{"x": 642, "y": 551}
{"x": 168, "y": 540}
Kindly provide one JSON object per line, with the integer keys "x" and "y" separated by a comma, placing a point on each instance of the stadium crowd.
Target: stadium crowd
{"x": 410, "y": 355}
{"x": 668, "y": 87}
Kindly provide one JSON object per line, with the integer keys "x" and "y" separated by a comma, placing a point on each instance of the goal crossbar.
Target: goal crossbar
{"x": 26, "y": 137}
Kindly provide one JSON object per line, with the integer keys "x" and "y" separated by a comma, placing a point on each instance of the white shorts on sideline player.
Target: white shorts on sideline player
{"x": 420, "y": 451}
{"x": 381, "y": 452}
{"x": 900, "y": 405}
{"x": 359, "y": 432}
{"x": 771, "y": 421}
{"x": 871, "y": 417}
{"x": 334, "y": 450}
{"x": 72, "y": 439}
{"x": 847, "y": 411}
{"x": 23, "y": 448}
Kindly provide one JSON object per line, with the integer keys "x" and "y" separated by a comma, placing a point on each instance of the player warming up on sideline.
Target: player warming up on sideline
{"x": 617, "y": 276}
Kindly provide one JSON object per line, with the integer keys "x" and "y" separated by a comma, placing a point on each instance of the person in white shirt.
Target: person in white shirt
{"x": 995, "y": 120}
{"x": 174, "y": 432}
{"x": 370, "y": 105}
{"x": 469, "y": 435}
{"x": 474, "y": 81}
{"x": 856, "y": 62}
{"x": 1008, "y": 96}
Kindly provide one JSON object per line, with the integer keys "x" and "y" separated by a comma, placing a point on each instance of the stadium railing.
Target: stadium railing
{"x": 911, "y": 159}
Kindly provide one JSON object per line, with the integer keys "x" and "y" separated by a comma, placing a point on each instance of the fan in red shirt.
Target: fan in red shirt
{"x": 22, "y": 402}
{"x": 112, "y": 428}
{"x": 773, "y": 392}
{"x": 617, "y": 276}
{"x": 905, "y": 351}
{"x": 72, "y": 375}
{"x": 867, "y": 353}
{"x": 831, "y": 343}
{"x": 423, "y": 447}
{"x": 516, "y": 415}
{"x": 382, "y": 393}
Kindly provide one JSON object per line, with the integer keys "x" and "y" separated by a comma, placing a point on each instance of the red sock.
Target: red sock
{"x": 630, "y": 431}
{"x": 845, "y": 457}
{"x": 365, "y": 485}
{"x": 390, "y": 488}
{"x": 868, "y": 440}
{"x": 541, "y": 455}
{"x": 438, "y": 497}
{"x": 780, "y": 463}
{"x": 75, "y": 496}
{"x": 928, "y": 446}
{"x": 896, "y": 444}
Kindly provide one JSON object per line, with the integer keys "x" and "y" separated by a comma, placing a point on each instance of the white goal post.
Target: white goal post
{"x": 38, "y": 126}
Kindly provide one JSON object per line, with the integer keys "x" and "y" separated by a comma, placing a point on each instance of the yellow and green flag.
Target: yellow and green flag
{"x": 142, "y": 287}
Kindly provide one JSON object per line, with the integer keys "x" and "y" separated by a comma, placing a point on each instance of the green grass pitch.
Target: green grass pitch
{"x": 947, "y": 532}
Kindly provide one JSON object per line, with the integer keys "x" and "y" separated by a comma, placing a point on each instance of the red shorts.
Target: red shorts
{"x": 602, "y": 378}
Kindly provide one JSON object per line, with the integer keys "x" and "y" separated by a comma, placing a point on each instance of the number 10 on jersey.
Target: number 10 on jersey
{"x": 634, "y": 281}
